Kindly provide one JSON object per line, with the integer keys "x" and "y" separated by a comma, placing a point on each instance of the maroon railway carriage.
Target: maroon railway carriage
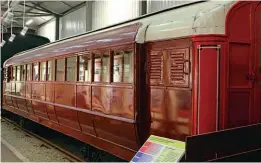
{"x": 185, "y": 71}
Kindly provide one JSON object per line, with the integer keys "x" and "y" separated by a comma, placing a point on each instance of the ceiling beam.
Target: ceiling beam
{"x": 74, "y": 8}
{"x": 36, "y": 13}
{"x": 33, "y": 7}
{"x": 29, "y": 16}
{"x": 67, "y": 4}
{"x": 47, "y": 10}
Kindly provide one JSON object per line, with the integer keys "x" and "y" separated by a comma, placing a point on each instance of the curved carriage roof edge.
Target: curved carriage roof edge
{"x": 180, "y": 21}
{"x": 125, "y": 34}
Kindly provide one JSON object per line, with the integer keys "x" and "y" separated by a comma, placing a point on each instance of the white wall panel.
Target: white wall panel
{"x": 47, "y": 30}
{"x": 109, "y": 12}
{"x": 157, "y": 5}
{"x": 73, "y": 23}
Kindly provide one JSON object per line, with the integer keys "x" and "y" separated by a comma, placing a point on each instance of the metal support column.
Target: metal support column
{"x": 57, "y": 28}
{"x": 143, "y": 7}
{"x": 89, "y": 15}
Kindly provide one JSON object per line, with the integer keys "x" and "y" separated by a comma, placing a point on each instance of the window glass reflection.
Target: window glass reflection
{"x": 36, "y": 71}
{"x": 43, "y": 71}
{"x": 71, "y": 69}
{"x": 122, "y": 66}
{"x": 84, "y": 68}
{"x": 60, "y": 69}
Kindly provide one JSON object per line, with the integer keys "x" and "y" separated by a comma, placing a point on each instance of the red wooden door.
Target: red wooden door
{"x": 240, "y": 66}
{"x": 257, "y": 65}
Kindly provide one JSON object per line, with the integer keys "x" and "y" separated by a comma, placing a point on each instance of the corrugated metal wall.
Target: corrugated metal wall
{"x": 48, "y": 30}
{"x": 105, "y": 13}
{"x": 73, "y": 23}
{"x": 157, "y": 5}
{"x": 100, "y": 13}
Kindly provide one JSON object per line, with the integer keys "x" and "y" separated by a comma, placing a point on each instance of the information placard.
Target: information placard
{"x": 159, "y": 149}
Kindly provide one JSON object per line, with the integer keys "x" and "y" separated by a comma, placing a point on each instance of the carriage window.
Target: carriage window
{"x": 97, "y": 69}
{"x": 50, "y": 71}
{"x": 23, "y": 73}
{"x": 14, "y": 73}
{"x": 43, "y": 71}
{"x": 101, "y": 68}
{"x": 18, "y": 73}
{"x": 36, "y": 72}
{"x": 71, "y": 69}
{"x": 122, "y": 66}
{"x": 29, "y": 72}
{"x": 60, "y": 69}
{"x": 84, "y": 68}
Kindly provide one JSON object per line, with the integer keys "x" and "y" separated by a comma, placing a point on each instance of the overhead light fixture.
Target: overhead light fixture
{"x": 2, "y": 43}
{"x": 23, "y": 32}
{"x": 2, "y": 37}
{"x": 29, "y": 22}
{"x": 11, "y": 39}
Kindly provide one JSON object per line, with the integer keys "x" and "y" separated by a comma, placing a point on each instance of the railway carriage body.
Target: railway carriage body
{"x": 185, "y": 71}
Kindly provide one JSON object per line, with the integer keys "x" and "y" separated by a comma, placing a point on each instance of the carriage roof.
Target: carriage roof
{"x": 182, "y": 21}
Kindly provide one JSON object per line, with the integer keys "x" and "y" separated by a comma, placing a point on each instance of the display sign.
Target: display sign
{"x": 159, "y": 149}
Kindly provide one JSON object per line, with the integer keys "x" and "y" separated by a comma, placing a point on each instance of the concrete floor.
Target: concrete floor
{"x": 7, "y": 155}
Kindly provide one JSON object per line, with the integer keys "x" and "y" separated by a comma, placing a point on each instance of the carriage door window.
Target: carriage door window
{"x": 43, "y": 71}
{"x": 71, "y": 69}
{"x": 18, "y": 72}
{"x": 101, "y": 68}
{"x": 23, "y": 73}
{"x": 36, "y": 72}
{"x": 29, "y": 72}
{"x": 84, "y": 68}
{"x": 122, "y": 66}
{"x": 50, "y": 70}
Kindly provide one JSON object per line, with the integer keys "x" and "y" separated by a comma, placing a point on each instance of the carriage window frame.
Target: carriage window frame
{"x": 38, "y": 71}
{"x": 94, "y": 57}
{"x": 75, "y": 68}
{"x": 56, "y": 69}
{"x": 123, "y": 50}
{"x": 89, "y": 58}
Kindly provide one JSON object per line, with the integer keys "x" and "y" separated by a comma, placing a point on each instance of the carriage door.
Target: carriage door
{"x": 241, "y": 107}
{"x": 257, "y": 65}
